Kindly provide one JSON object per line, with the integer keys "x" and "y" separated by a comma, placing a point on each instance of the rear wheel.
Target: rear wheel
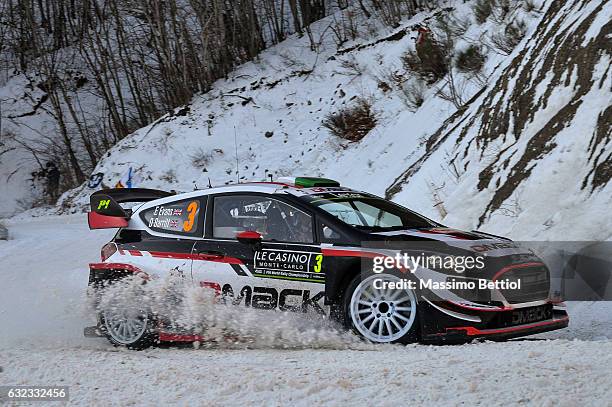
{"x": 122, "y": 317}
{"x": 132, "y": 328}
{"x": 381, "y": 315}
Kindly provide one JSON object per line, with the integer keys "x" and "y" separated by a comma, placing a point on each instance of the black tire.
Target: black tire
{"x": 347, "y": 311}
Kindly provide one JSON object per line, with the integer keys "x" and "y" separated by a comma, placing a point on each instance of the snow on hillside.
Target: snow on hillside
{"x": 274, "y": 109}
{"x": 476, "y": 164}
{"x": 481, "y": 167}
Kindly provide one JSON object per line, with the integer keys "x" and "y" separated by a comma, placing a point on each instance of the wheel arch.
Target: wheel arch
{"x": 344, "y": 270}
{"x": 108, "y": 272}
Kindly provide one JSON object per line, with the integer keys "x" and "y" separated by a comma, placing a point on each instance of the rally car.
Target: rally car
{"x": 309, "y": 245}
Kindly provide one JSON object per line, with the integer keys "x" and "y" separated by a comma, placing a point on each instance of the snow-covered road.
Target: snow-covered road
{"x": 42, "y": 311}
{"x": 555, "y": 373}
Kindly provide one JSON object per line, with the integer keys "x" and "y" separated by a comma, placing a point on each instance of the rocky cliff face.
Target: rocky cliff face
{"x": 541, "y": 132}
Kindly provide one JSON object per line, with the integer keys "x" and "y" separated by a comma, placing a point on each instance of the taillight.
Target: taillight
{"x": 108, "y": 250}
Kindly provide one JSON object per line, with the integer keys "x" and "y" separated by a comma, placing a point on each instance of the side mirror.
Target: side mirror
{"x": 249, "y": 237}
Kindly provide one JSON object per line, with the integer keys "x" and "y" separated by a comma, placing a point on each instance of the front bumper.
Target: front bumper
{"x": 491, "y": 326}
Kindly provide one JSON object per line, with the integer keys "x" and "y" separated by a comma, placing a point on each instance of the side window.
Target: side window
{"x": 377, "y": 217}
{"x": 343, "y": 211}
{"x": 181, "y": 217}
{"x": 273, "y": 219}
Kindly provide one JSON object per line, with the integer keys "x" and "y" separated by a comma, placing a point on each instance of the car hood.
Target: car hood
{"x": 496, "y": 252}
{"x": 446, "y": 240}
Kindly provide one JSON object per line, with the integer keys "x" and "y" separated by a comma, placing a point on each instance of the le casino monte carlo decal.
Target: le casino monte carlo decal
{"x": 289, "y": 265}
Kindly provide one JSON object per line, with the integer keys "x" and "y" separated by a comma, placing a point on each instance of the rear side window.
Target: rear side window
{"x": 184, "y": 217}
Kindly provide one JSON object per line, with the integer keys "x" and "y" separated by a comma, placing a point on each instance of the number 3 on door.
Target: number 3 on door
{"x": 318, "y": 261}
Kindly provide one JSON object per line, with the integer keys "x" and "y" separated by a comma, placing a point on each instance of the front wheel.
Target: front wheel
{"x": 380, "y": 314}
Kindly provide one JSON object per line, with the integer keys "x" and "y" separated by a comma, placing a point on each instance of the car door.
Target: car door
{"x": 170, "y": 227}
{"x": 283, "y": 271}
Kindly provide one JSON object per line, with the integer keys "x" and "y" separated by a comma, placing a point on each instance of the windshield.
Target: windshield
{"x": 368, "y": 212}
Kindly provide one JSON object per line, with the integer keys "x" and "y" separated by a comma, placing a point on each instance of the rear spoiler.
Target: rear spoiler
{"x": 106, "y": 212}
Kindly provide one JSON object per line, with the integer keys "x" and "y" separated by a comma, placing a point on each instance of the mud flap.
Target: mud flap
{"x": 93, "y": 332}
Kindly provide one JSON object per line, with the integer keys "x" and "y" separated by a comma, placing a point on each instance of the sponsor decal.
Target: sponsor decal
{"x": 337, "y": 195}
{"x": 321, "y": 190}
{"x": 494, "y": 246}
{"x": 103, "y": 204}
{"x": 289, "y": 265}
{"x": 347, "y": 195}
{"x": 95, "y": 180}
{"x": 526, "y": 316}
{"x": 270, "y": 298}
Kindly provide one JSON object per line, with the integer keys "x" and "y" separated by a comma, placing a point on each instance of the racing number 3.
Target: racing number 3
{"x": 318, "y": 261}
{"x": 192, "y": 210}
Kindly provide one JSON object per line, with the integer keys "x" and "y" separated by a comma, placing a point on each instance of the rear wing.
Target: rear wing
{"x": 106, "y": 213}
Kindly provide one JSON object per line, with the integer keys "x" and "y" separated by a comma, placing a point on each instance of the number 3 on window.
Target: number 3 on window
{"x": 192, "y": 210}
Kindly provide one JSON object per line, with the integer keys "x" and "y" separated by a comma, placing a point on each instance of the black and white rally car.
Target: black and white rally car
{"x": 310, "y": 245}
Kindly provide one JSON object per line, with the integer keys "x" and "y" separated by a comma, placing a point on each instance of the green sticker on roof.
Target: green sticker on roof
{"x": 310, "y": 182}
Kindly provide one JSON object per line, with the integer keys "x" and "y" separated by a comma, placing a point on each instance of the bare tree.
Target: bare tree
{"x": 140, "y": 59}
